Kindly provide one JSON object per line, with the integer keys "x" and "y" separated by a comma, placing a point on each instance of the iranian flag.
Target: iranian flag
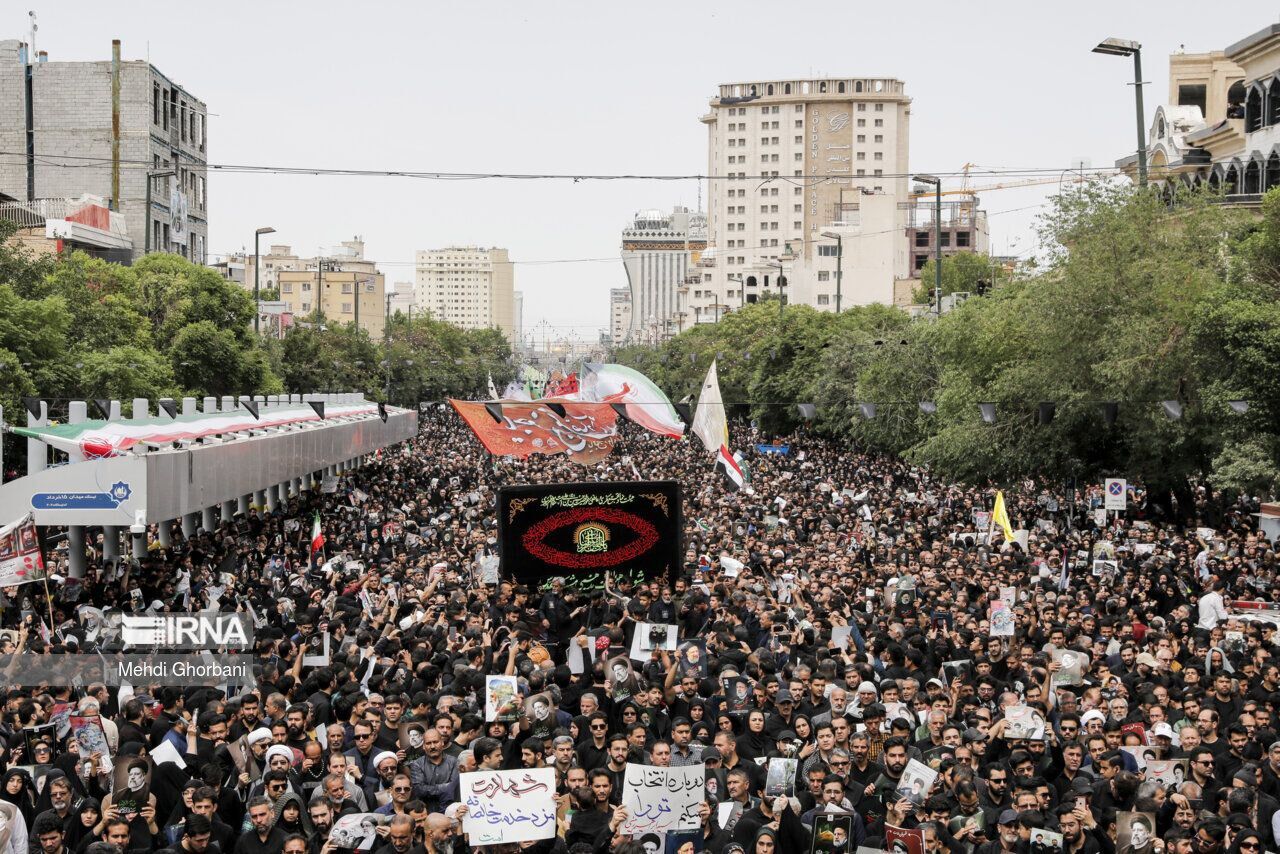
{"x": 645, "y": 403}
{"x": 317, "y": 536}
{"x": 734, "y": 478}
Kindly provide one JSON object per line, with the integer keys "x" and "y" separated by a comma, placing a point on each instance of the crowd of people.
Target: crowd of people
{"x": 1083, "y": 686}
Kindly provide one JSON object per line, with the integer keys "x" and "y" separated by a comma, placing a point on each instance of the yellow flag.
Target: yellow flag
{"x": 1000, "y": 516}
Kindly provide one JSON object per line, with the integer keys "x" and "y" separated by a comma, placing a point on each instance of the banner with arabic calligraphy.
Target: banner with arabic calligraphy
{"x": 581, "y": 530}
{"x": 508, "y": 806}
{"x": 662, "y": 799}
{"x": 585, "y": 432}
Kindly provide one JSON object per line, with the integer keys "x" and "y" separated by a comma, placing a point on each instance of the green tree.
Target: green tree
{"x": 962, "y": 271}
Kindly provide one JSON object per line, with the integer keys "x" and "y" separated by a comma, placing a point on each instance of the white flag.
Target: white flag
{"x": 493, "y": 390}
{"x": 709, "y": 423}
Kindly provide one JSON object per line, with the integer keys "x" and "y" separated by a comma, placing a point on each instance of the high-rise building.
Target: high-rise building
{"x": 81, "y": 140}
{"x": 657, "y": 251}
{"x": 790, "y": 159}
{"x": 400, "y": 299}
{"x": 469, "y": 286}
{"x": 620, "y": 316}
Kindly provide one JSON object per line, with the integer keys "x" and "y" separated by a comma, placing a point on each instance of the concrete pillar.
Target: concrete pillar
{"x": 206, "y": 519}
{"x": 166, "y": 533}
{"x": 260, "y": 498}
{"x": 142, "y": 408}
{"x": 242, "y": 505}
{"x": 37, "y": 451}
{"x": 228, "y": 510}
{"x": 272, "y": 496}
{"x": 295, "y": 399}
{"x": 273, "y": 400}
{"x": 114, "y": 411}
{"x": 228, "y": 403}
{"x": 77, "y": 414}
{"x": 110, "y": 542}
{"x": 188, "y": 406}
{"x": 138, "y": 534}
{"x": 190, "y": 521}
{"x": 210, "y": 405}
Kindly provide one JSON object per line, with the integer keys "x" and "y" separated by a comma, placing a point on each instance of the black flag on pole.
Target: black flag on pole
{"x": 318, "y": 406}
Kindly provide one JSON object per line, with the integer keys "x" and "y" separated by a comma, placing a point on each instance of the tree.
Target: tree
{"x": 962, "y": 272}
{"x": 207, "y": 360}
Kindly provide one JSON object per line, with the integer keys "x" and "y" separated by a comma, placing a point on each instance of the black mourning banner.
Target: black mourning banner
{"x": 581, "y": 530}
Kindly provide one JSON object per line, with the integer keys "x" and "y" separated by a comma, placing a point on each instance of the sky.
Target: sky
{"x": 604, "y": 88}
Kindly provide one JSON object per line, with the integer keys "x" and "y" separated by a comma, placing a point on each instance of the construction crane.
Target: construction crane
{"x": 966, "y": 190}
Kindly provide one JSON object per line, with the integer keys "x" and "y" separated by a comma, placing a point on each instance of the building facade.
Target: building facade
{"x": 468, "y": 286}
{"x": 791, "y": 159}
{"x": 619, "y": 316}
{"x": 1221, "y": 126}
{"x": 337, "y": 296}
{"x": 64, "y": 110}
{"x": 400, "y": 299}
{"x": 657, "y": 252}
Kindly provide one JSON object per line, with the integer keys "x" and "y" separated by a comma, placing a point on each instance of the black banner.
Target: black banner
{"x": 581, "y": 530}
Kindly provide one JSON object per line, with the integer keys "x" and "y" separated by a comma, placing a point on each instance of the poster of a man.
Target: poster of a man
{"x": 1135, "y": 832}
{"x": 411, "y": 738}
{"x": 737, "y": 694}
{"x": 832, "y": 833}
{"x": 541, "y": 711}
{"x": 501, "y": 698}
{"x": 621, "y": 676}
{"x": 691, "y": 658}
{"x": 131, "y": 788}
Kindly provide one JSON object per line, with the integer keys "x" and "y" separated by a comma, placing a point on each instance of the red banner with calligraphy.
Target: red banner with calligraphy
{"x": 585, "y": 433}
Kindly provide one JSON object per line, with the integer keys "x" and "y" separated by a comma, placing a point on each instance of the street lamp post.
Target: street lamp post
{"x": 839, "y": 262}
{"x": 1125, "y": 47}
{"x": 257, "y": 273}
{"x": 937, "y": 239}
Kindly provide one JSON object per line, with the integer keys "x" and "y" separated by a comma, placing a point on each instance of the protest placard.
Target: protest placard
{"x": 662, "y": 799}
{"x": 509, "y": 806}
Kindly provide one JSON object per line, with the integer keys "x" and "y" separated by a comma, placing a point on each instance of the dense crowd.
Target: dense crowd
{"x": 856, "y": 615}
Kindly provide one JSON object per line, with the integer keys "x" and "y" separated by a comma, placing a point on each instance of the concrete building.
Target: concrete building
{"x": 834, "y": 140}
{"x": 1221, "y": 124}
{"x": 62, "y": 115}
{"x": 620, "y": 316}
{"x": 468, "y": 286}
{"x": 400, "y": 299}
{"x": 347, "y": 256}
{"x": 657, "y": 252}
{"x": 50, "y": 226}
{"x": 343, "y": 296}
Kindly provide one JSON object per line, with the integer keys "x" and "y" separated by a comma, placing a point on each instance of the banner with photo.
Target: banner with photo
{"x": 20, "y": 558}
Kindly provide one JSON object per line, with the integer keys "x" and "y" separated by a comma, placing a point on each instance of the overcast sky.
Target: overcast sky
{"x": 590, "y": 87}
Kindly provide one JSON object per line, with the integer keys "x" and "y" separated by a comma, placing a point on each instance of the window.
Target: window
{"x": 962, "y": 238}
{"x": 346, "y": 287}
{"x": 824, "y": 276}
{"x": 946, "y": 238}
{"x": 879, "y": 123}
{"x": 797, "y": 224}
{"x": 862, "y": 171}
{"x": 862, "y": 137}
{"x": 828, "y": 250}
{"x": 286, "y": 288}
{"x": 823, "y": 299}
{"x": 879, "y": 155}
{"x": 862, "y": 123}
{"x": 183, "y": 120}
{"x": 862, "y": 155}
{"x": 862, "y": 108}
{"x": 799, "y": 108}
{"x": 920, "y": 261}
{"x": 155, "y": 103}
{"x": 799, "y": 123}
{"x": 799, "y": 139}
{"x": 796, "y": 191}
{"x": 773, "y": 140}
{"x": 878, "y": 173}
{"x": 732, "y": 143}
{"x": 922, "y": 238}
{"x": 799, "y": 156}
{"x": 879, "y": 108}
{"x": 879, "y": 137}
{"x": 764, "y": 209}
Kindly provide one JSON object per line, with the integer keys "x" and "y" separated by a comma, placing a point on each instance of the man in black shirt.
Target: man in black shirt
{"x": 262, "y": 837}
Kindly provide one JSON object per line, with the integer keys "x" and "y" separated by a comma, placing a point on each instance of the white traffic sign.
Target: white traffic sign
{"x": 1117, "y": 497}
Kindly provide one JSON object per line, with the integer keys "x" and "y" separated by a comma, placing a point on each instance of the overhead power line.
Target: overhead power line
{"x": 69, "y": 161}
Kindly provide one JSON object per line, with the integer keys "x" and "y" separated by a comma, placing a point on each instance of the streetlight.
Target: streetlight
{"x": 839, "y": 261}
{"x": 937, "y": 238}
{"x": 257, "y": 272}
{"x": 1125, "y": 47}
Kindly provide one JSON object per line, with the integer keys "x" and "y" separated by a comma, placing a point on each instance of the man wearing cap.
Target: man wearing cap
{"x": 785, "y": 716}
{"x": 1007, "y": 840}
